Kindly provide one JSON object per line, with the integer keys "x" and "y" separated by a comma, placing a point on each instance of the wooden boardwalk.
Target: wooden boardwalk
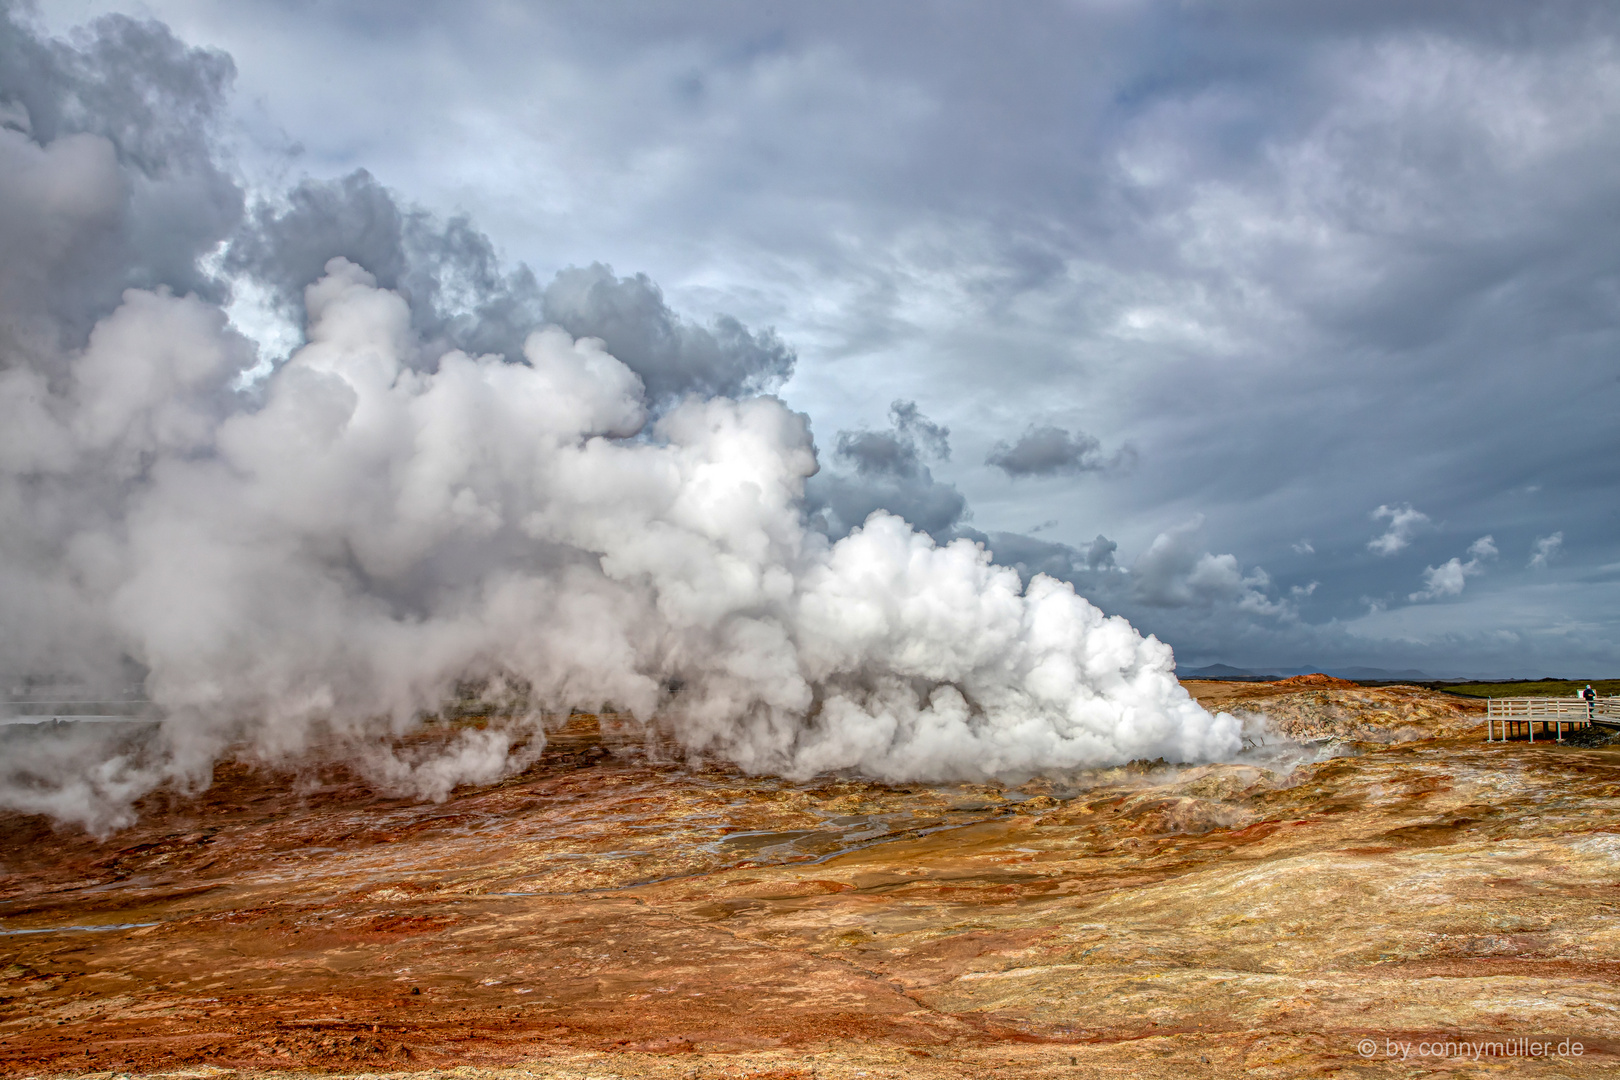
{"x": 1508, "y": 717}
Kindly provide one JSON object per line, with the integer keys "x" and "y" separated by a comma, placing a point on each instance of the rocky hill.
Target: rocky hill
{"x": 1322, "y": 707}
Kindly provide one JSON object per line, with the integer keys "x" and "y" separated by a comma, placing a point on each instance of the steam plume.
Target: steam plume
{"x": 388, "y": 518}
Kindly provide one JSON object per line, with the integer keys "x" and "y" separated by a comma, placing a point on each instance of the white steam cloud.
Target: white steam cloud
{"x": 378, "y": 529}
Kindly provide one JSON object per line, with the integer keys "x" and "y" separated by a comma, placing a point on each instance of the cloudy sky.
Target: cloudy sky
{"x": 1288, "y": 331}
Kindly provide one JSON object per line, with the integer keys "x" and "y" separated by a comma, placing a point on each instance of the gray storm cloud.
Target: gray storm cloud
{"x": 411, "y": 504}
{"x": 1054, "y": 451}
{"x": 673, "y": 357}
{"x": 461, "y": 297}
{"x": 1175, "y": 571}
{"x": 887, "y": 470}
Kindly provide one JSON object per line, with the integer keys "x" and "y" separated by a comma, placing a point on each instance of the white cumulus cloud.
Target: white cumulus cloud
{"x": 1403, "y": 523}
{"x": 1174, "y": 572}
{"x": 1449, "y": 577}
{"x": 1546, "y": 549}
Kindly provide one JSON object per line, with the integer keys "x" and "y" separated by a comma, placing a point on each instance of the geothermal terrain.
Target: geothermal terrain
{"x": 1372, "y": 870}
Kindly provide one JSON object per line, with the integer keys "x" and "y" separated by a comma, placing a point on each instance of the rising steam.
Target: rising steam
{"x": 386, "y": 519}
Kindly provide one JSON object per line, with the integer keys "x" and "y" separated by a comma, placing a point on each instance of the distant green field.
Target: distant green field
{"x": 1542, "y": 688}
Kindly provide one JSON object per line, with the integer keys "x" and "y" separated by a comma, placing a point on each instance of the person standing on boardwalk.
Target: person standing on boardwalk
{"x": 1591, "y": 702}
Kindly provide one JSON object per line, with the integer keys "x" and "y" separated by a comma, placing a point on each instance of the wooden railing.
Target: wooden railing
{"x": 1501, "y": 714}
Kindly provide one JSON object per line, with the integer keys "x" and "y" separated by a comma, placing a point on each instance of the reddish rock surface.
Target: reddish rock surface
{"x": 1318, "y": 679}
{"x": 1322, "y": 707}
{"x": 606, "y": 916}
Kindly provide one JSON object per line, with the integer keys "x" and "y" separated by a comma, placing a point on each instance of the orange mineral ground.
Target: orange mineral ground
{"x": 1404, "y": 885}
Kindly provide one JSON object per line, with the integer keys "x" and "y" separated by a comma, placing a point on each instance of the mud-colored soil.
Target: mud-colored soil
{"x": 602, "y": 916}
{"x": 1322, "y": 707}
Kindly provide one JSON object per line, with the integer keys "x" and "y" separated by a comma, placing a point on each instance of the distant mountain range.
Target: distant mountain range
{"x": 1360, "y": 674}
